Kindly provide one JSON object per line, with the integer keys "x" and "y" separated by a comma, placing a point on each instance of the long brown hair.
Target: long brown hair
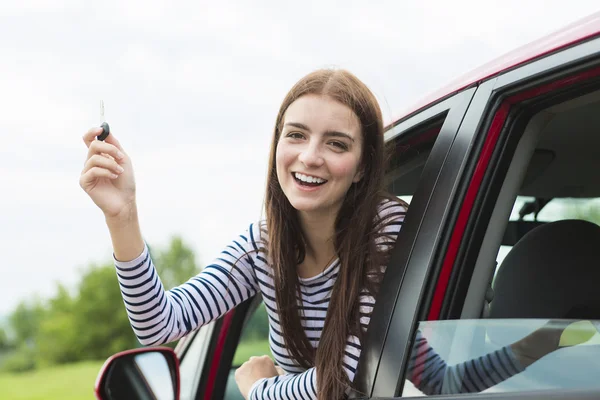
{"x": 355, "y": 234}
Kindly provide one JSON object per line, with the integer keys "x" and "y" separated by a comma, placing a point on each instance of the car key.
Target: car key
{"x": 103, "y": 124}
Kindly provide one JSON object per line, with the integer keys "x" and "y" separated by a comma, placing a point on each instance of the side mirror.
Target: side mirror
{"x": 146, "y": 373}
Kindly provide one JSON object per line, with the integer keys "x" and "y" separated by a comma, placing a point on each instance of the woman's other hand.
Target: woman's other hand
{"x": 551, "y": 336}
{"x": 252, "y": 370}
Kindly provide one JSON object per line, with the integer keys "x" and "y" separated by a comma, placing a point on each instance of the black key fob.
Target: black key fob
{"x": 105, "y": 131}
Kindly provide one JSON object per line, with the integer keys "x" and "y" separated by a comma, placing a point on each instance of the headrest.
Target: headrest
{"x": 552, "y": 272}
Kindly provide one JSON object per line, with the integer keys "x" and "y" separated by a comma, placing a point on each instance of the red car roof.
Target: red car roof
{"x": 571, "y": 34}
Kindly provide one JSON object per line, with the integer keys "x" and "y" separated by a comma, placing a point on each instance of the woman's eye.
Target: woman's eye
{"x": 295, "y": 135}
{"x": 340, "y": 145}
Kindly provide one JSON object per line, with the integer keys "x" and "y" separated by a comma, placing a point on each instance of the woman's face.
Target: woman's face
{"x": 318, "y": 153}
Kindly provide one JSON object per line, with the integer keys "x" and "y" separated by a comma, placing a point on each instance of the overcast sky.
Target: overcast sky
{"x": 191, "y": 90}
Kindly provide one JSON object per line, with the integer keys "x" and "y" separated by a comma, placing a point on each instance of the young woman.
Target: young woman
{"x": 317, "y": 259}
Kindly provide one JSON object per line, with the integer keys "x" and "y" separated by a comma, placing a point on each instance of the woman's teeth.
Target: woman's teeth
{"x": 309, "y": 179}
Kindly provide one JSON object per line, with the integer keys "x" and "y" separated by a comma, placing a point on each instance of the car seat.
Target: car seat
{"x": 552, "y": 272}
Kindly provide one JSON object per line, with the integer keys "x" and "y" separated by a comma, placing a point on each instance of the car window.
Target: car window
{"x": 410, "y": 151}
{"x": 540, "y": 304}
{"x": 254, "y": 341}
{"x": 192, "y": 362}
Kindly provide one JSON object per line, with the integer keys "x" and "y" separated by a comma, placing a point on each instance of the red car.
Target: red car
{"x": 502, "y": 169}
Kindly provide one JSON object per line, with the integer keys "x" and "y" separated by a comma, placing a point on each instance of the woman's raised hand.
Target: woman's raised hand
{"x": 107, "y": 176}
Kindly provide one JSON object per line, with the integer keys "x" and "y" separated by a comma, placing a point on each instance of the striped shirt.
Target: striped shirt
{"x": 242, "y": 271}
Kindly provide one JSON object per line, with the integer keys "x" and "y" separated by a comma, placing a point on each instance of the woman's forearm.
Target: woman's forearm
{"x": 126, "y": 235}
{"x": 537, "y": 344}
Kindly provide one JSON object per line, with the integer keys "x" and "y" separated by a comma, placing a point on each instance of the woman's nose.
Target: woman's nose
{"x": 311, "y": 156}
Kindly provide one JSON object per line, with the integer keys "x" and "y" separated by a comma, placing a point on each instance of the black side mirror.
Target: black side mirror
{"x": 146, "y": 373}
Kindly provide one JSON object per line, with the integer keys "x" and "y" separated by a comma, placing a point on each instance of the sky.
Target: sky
{"x": 191, "y": 89}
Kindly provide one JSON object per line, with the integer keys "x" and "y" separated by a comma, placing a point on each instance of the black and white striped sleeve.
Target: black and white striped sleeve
{"x": 158, "y": 316}
{"x": 286, "y": 387}
{"x": 430, "y": 373}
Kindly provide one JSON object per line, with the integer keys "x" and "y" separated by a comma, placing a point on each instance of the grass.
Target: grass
{"x": 65, "y": 382}
{"x": 76, "y": 381}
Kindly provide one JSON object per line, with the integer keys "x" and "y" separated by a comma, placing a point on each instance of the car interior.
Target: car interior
{"x": 549, "y": 270}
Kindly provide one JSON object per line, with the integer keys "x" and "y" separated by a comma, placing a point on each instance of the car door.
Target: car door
{"x": 439, "y": 284}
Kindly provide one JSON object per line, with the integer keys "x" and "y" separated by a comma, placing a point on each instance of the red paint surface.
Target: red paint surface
{"x": 111, "y": 359}
{"x": 214, "y": 363}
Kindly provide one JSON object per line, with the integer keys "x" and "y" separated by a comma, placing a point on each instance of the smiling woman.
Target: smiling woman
{"x": 317, "y": 260}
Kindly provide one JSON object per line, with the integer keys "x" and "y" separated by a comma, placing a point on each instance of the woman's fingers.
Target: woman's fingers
{"x": 89, "y": 138}
{"x": 99, "y": 147}
{"x": 93, "y": 174}
{"x": 113, "y": 140}
{"x": 100, "y": 161}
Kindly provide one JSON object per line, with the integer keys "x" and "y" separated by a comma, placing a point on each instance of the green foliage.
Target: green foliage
{"x": 25, "y": 321}
{"x": 5, "y": 343}
{"x": 257, "y": 328}
{"x": 57, "y": 338}
{"x": 90, "y": 326}
{"x": 248, "y": 349}
{"x": 91, "y": 323}
{"x": 176, "y": 264}
{"x": 254, "y": 340}
{"x": 21, "y": 360}
{"x": 100, "y": 317}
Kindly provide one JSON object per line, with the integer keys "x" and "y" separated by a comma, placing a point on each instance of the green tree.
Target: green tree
{"x": 257, "y": 327}
{"x": 100, "y": 318}
{"x": 5, "y": 343}
{"x": 58, "y": 337}
{"x": 25, "y": 321}
{"x": 91, "y": 323}
{"x": 175, "y": 264}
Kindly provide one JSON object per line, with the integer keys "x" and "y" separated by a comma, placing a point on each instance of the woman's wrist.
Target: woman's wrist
{"x": 125, "y": 234}
{"x": 127, "y": 216}
{"x": 537, "y": 344}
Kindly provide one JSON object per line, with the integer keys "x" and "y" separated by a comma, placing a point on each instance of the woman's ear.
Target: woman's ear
{"x": 359, "y": 175}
